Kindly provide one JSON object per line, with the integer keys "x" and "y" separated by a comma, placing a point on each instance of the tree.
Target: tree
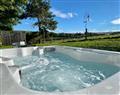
{"x": 46, "y": 24}
{"x": 10, "y": 10}
{"x": 40, "y": 9}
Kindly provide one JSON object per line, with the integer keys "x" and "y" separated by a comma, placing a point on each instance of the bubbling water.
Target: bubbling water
{"x": 58, "y": 72}
{"x": 55, "y": 76}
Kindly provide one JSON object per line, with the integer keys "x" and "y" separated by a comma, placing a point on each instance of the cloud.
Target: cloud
{"x": 60, "y": 14}
{"x": 59, "y": 30}
{"x": 115, "y": 30}
{"x": 103, "y": 22}
{"x": 62, "y": 30}
{"x": 116, "y": 21}
{"x": 99, "y": 30}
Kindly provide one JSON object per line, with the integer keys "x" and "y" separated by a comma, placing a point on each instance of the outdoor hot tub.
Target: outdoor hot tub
{"x": 59, "y": 70}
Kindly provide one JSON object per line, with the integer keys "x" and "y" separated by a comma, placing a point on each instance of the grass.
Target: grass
{"x": 3, "y": 47}
{"x": 104, "y": 44}
{"x": 108, "y": 42}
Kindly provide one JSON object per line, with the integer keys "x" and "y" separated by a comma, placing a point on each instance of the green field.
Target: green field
{"x": 104, "y": 44}
{"x": 4, "y": 47}
{"x": 109, "y": 42}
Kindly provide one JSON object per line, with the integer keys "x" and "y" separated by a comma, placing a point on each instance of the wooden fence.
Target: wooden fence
{"x": 11, "y": 37}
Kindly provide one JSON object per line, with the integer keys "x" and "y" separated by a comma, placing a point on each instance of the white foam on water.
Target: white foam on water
{"x": 43, "y": 61}
{"x": 102, "y": 75}
{"x": 47, "y": 73}
{"x": 55, "y": 76}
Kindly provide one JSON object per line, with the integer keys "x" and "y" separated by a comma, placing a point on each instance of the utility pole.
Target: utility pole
{"x": 86, "y": 21}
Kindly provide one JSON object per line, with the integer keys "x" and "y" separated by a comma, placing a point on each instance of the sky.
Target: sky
{"x": 104, "y": 16}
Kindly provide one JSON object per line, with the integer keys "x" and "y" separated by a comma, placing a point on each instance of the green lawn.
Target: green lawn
{"x": 112, "y": 44}
{"x": 105, "y": 44}
{"x": 3, "y": 47}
